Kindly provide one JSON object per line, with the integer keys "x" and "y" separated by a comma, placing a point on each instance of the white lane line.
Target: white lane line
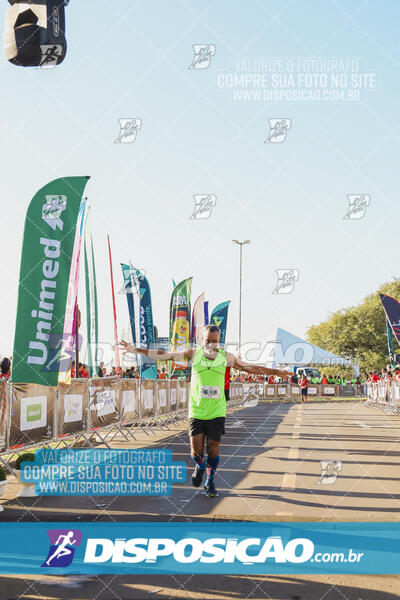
{"x": 289, "y": 479}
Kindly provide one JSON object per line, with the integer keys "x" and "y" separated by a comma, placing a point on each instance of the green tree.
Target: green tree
{"x": 358, "y": 333}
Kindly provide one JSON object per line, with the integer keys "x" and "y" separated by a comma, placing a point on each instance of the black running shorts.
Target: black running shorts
{"x": 212, "y": 428}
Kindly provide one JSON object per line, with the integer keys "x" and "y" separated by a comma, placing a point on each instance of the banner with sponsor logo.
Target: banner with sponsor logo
{"x": 198, "y": 322}
{"x": 206, "y": 316}
{"x": 128, "y": 286}
{"x": 104, "y": 401}
{"x": 62, "y": 548}
{"x": 148, "y": 366}
{"x": 148, "y": 400}
{"x": 162, "y": 396}
{"x": 68, "y": 341}
{"x": 91, "y": 300}
{"x": 31, "y": 412}
{"x": 47, "y": 248}
{"x": 129, "y": 400}
{"x": 219, "y": 317}
{"x": 162, "y": 343}
{"x": 71, "y": 407}
{"x": 179, "y": 320}
{"x": 392, "y": 311}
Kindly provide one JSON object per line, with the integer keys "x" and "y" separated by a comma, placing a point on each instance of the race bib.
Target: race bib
{"x": 210, "y": 391}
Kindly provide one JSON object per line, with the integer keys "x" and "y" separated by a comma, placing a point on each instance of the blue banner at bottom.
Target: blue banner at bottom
{"x": 226, "y": 548}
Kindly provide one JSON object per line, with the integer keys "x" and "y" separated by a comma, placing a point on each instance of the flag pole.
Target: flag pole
{"x": 117, "y": 367}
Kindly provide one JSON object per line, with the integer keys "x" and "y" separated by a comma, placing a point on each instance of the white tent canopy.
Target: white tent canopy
{"x": 288, "y": 349}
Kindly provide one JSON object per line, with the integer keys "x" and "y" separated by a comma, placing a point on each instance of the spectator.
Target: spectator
{"x": 5, "y": 368}
{"x": 100, "y": 370}
{"x": 304, "y": 383}
{"x": 374, "y": 377}
{"x": 227, "y": 383}
{"x": 163, "y": 374}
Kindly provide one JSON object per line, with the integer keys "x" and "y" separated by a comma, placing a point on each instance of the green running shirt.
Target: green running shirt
{"x": 207, "y": 395}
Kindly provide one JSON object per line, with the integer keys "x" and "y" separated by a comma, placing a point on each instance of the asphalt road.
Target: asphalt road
{"x": 270, "y": 470}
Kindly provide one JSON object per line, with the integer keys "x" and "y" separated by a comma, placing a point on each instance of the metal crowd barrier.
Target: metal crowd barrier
{"x": 384, "y": 396}
{"x": 90, "y": 411}
{"x": 292, "y": 391}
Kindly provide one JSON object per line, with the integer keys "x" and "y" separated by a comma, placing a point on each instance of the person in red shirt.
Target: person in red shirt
{"x": 271, "y": 379}
{"x": 374, "y": 377}
{"x": 85, "y": 371}
{"x": 227, "y": 382}
{"x": 304, "y": 383}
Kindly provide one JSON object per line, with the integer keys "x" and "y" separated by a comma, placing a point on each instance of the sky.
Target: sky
{"x": 200, "y": 134}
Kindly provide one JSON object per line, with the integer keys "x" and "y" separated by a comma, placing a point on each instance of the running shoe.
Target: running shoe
{"x": 211, "y": 492}
{"x": 197, "y": 476}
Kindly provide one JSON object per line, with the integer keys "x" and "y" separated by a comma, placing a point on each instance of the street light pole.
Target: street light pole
{"x": 241, "y": 244}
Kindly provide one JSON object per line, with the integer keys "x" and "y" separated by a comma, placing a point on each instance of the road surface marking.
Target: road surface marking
{"x": 289, "y": 481}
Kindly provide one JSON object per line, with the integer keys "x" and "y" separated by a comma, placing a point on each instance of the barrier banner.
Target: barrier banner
{"x": 3, "y": 413}
{"x": 129, "y": 400}
{"x": 294, "y": 390}
{"x": 162, "y": 396}
{"x": 104, "y": 401}
{"x": 347, "y": 390}
{"x": 329, "y": 390}
{"x": 173, "y": 394}
{"x": 313, "y": 390}
{"x": 72, "y": 407}
{"x": 31, "y": 410}
{"x": 183, "y": 394}
{"x": 148, "y": 399}
{"x": 249, "y": 391}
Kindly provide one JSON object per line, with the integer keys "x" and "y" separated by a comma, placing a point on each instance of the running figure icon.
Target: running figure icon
{"x": 62, "y": 550}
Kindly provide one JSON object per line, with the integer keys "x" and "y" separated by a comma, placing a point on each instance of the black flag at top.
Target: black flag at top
{"x": 35, "y": 32}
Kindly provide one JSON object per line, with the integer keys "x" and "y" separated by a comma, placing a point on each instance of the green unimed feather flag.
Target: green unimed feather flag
{"x": 47, "y": 249}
